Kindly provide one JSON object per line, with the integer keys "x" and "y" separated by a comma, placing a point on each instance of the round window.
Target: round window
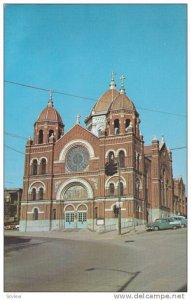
{"x": 77, "y": 159}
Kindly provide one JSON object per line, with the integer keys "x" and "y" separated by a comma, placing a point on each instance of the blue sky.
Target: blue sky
{"x": 74, "y": 48}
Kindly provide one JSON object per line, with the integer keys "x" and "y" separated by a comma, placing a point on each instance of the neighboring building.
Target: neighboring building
{"x": 65, "y": 183}
{"x": 12, "y": 205}
{"x": 180, "y": 200}
{"x": 158, "y": 171}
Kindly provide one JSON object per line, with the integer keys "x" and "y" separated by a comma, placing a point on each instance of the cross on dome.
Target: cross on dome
{"x": 50, "y": 102}
{"x": 112, "y": 83}
{"x": 122, "y": 89}
{"x": 113, "y": 75}
{"x": 78, "y": 119}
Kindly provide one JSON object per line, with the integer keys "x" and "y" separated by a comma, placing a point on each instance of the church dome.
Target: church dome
{"x": 122, "y": 102}
{"x": 104, "y": 102}
{"x": 50, "y": 114}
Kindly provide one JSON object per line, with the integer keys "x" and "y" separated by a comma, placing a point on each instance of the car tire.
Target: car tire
{"x": 156, "y": 228}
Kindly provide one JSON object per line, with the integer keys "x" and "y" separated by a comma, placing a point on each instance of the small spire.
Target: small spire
{"x": 78, "y": 119}
{"x": 154, "y": 139}
{"x": 122, "y": 89}
{"x": 50, "y": 102}
{"x": 162, "y": 141}
{"x": 112, "y": 83}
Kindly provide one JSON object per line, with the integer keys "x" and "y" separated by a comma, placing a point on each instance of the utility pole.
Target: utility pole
{"x": 119, "y": 199}
{"x": 112, "y": 168}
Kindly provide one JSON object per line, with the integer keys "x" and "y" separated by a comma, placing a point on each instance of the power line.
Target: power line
{"x": 15, "y": 135}
{"x": 178, "y": 148}
{"x": 48, "y": 90}
{"x": 87, "y": 98}
{"x": 13, "y": 149}
{"x": 162, "y": 112}
{"x": 25, "y": 138}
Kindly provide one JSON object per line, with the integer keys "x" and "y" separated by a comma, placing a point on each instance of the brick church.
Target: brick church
{"x": 65, "y": 182}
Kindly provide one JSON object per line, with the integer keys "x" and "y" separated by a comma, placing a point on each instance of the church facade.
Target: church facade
{"x": 65, "y": 182}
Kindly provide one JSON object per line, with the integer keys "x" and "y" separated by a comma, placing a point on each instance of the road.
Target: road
{"x": 147, "y": 262}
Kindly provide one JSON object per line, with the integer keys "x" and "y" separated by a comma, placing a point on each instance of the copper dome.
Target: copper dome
{"x": 122, "y": 102}
{"x": 105, "y": 101}
{"x": 50, "y": 114}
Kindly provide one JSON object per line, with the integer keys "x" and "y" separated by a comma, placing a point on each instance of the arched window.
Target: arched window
{"x": 43, "y": 166}
{"x": 116, "y": 126}
{"x": 164, "y": 187}
{"x": 111, "y": 189}
{"x": 137, "y": 187}
{"x": 33, "y": 194}
{"x": 121, "y": 159}
{"x": 121, "y": 188}
{"x": 35, "y": 214}
{"x": 138, "y": 157}
{"x": 111, "y": 157}
{"x": 41, "y": 193}
{"x": 127, "y": 123}
{"x": 34, "y": 167}
{"x": 51, "y": 132}
{"x": 40, "y": 137}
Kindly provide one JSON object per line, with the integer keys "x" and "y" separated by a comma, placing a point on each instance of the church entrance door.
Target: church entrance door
{"x": 70, "y": 219}
{"x": 82, "y": 219}
{"x": 76, "y": 217}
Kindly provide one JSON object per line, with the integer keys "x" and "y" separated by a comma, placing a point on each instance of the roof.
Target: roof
{"x": 104, "y": 102}
{"x": 122, "y": 102}
{"x": 148, "y": 149}
{"x": 50, "y": 114}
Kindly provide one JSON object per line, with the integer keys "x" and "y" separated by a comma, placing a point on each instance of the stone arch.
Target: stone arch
{"x": 121, "y": 149}
{"x": 74, "y": 143}
{"x": 69, "y": 183}
{"x": 69, "y": 207}
{"x": 35, "y": 207}
{"x": 34, "y": 158}
{"x": 82, "y": 207}
{"x": 37, "y": 185}
{"x": 111, "y": 180}
{"x": 108, "y": 151}
{"x": 43, "y": 157}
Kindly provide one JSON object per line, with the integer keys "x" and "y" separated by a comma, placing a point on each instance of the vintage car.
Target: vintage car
{"x": 163, "y": 223}
{"x": 182, "y": 220}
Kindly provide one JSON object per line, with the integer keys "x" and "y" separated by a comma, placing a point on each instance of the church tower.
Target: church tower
{"x": 123, "y": 132}
{"x": 49, "y": 124}
{"x": 38, "y": 173}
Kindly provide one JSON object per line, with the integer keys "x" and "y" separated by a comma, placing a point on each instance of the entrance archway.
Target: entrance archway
{"x": 82, "y": 216}
{"x": 75, "y": 194}
{"x": 75, "y": 217}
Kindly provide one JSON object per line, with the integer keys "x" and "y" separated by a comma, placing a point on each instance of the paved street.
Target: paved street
{"x": 146, "y": 262}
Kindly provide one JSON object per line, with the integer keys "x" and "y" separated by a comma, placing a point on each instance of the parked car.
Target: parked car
{"x": 161, "y": 224}
{"x": 182, "y": 219}
{"x": 17, "y": 227}
{"x": 175, "y": 222}
{"x": 11, "y": 227}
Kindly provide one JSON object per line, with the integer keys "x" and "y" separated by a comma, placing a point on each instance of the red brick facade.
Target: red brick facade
{"x": 180, "y": 199}
{"x": 65, "y": 184}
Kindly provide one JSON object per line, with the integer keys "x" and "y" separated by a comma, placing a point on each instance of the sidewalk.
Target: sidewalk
{"x": 76, "y": 234}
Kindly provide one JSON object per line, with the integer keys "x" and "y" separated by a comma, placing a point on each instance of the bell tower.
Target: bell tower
{"x": 49, "y": 124}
